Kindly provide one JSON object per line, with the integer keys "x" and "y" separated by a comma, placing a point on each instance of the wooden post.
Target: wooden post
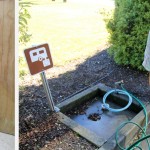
{"x": 7, "y": 66}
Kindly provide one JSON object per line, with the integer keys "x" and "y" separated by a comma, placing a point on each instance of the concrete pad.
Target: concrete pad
{"x": 126, "y": 135}
{"x": 89, "y": 135}
{"x": 106, "y": 126}
{"x": 7, "y": 142}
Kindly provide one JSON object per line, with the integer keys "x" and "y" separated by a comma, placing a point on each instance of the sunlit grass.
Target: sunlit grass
{"x": 73, "y": 30}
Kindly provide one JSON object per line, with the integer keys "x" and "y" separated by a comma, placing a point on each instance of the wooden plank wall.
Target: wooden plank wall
{"x": 7, "y": 66}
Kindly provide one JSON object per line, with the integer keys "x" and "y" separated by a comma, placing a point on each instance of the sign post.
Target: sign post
{"x": 149, "y": 79}
{"x": 39, "y": 59}
{"x": 47, "y": 90}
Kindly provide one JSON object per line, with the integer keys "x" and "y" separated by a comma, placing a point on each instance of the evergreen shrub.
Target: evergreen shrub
{"x": 128, "y": 30}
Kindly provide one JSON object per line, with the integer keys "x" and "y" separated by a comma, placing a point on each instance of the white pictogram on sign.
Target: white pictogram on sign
{"x": 40, "y": 54}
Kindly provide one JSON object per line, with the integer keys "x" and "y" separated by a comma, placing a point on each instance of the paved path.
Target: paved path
{"x": 7, "y": 142}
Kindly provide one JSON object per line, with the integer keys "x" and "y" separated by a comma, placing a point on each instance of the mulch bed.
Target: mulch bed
{"x": 39, "y": 129}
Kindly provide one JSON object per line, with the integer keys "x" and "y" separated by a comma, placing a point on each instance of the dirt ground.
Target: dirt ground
{"x": 39, "y": 129}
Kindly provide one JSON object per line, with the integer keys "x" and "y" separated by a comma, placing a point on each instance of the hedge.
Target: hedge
{"x": 128, "y": 30}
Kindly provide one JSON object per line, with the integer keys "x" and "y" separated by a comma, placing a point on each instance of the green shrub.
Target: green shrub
{"x": 24, "y": 36}
{"x": 128, "y": 30}
{"x": 24, "y": 15}
{"x": 22, "y": 67}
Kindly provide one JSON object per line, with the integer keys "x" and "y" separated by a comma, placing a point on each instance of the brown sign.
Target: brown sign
{"x": 38, "y": 58}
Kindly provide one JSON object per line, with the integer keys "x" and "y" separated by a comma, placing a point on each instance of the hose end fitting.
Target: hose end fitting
{"x": 105, "y": 107}
{"x": 119, "y": 82}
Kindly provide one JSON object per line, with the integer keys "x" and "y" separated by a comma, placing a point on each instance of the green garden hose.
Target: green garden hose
{"x": 146, "y": 122}
{"x": 143, "y": 129}
{"x": 137, "y": 142}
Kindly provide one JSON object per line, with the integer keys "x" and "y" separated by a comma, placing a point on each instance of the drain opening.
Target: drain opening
{"x": 94, "y": 116}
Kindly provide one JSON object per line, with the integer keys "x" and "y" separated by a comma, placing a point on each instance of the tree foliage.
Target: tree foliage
{"x": 128, "y": 30}
{"x": 24, "y": 15}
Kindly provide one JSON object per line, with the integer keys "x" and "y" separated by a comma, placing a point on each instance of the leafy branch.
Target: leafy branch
{"x": 24, "y": 16}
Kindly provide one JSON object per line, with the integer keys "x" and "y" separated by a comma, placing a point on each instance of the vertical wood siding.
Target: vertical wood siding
{"x": 7, "y": 66}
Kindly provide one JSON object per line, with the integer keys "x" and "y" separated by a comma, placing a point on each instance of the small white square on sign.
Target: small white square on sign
{"x": 46, "y": 62}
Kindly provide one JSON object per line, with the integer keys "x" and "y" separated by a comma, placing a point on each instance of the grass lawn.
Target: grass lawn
{"x": 74, "y": 29}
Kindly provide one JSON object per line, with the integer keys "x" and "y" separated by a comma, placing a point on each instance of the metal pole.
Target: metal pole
{"x": 149, "y": 78}
{"x": 47, "y": 90}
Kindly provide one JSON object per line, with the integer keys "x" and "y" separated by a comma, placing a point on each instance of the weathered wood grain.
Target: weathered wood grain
{"x": 7, "y": 66}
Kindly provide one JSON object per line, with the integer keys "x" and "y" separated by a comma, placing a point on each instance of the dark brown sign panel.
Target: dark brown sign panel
{"x": 38, "y": 58}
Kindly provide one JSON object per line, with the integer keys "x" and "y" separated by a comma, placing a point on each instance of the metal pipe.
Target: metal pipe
{"x": 47, "y": 90}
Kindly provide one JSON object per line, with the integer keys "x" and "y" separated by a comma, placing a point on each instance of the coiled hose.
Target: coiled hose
{"x": 118, "y": 92}
{"x": 143, "y": 129}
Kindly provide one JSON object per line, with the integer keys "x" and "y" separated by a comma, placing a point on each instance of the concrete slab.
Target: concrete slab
{"x": 7, "y": 142}
{"x": 81, "y": 130}
{"x": 128, "y": 133}
{"x": 106, "y": 126}
{"x": 104, "y": 143}
{"x": 91, "y": 92}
